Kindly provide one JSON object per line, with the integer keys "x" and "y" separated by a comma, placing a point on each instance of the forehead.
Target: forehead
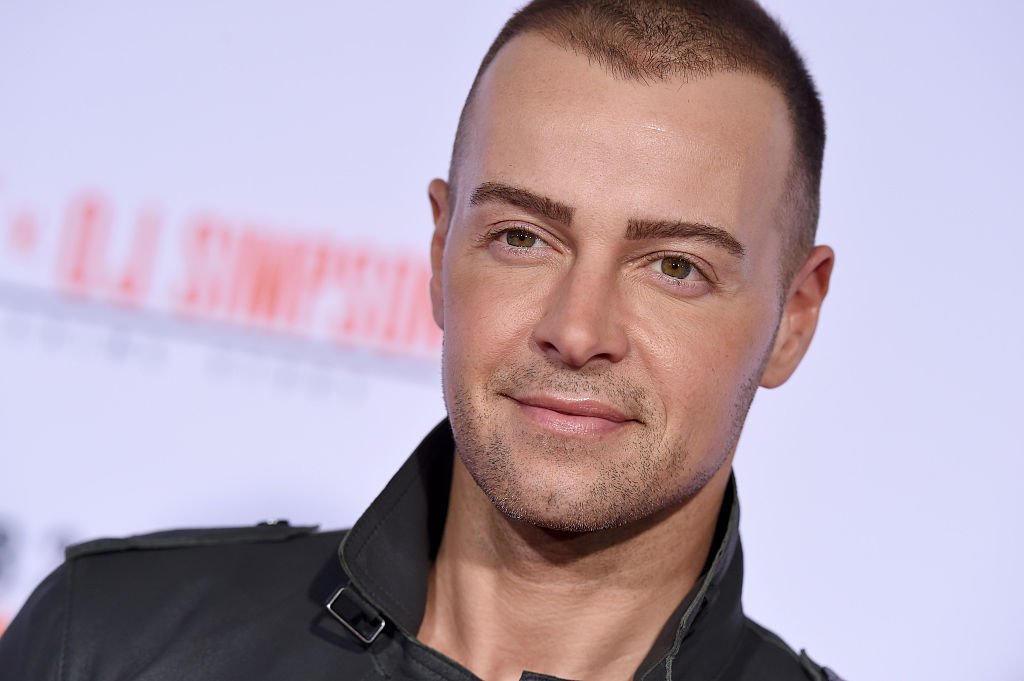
{"x": 713, "y": 148}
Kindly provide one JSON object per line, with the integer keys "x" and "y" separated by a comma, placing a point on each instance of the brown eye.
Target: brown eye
{"x": 520, "y": 239}
{"x": 676, "y": 267}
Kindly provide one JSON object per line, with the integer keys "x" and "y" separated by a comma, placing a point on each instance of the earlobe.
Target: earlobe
{"x": 438, "y": 194}
{"x": 799, "y": 317}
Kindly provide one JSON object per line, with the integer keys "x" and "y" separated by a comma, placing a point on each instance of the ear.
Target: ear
{"x": 799, "y": 316}
{"x": 438, "y": 193}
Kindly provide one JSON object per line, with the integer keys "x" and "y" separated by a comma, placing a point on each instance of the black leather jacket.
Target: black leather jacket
{"x": 249, "y": 604}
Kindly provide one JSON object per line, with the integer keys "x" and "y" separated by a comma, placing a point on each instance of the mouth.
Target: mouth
{"x": 571, "y": 416}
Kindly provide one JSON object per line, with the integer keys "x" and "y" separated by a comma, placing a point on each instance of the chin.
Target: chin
{"x": 579, "y": 520}
{"x": 564, "y": 491}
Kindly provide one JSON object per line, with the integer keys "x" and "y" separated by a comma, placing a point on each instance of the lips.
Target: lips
{"x": 584, "y": 416}
{"x": 574, "y": 407}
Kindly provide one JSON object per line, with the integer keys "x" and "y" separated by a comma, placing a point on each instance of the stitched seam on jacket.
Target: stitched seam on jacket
{"x": 685, "y": 623}
{"x": 65, "y": 634}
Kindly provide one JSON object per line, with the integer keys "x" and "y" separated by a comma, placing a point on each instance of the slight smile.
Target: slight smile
{"x": 571, "y": 416}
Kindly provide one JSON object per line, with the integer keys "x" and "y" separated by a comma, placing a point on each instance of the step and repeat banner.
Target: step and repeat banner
{"x": 213, "y": 300}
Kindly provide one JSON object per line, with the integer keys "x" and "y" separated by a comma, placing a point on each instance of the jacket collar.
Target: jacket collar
{"x": 388, "y": 553}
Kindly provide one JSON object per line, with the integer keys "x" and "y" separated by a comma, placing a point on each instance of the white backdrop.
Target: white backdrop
{"x": 160, "y": 367}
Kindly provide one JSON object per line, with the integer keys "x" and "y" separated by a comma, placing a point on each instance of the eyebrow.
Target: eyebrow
{"x": 496, "y": 192}
{"x": 636, "y": 229}
{"x": 660, "y": 229}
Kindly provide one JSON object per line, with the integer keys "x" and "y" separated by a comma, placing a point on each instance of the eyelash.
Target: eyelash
{"x": 493, "y": 234}
{"x": 693, "y": 262}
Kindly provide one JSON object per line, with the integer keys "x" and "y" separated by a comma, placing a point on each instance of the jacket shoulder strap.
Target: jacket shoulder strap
{"x": 278, "y": 530}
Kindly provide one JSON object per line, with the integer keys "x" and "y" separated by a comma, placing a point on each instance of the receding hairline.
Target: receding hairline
{"x": 682, "y": 76}
{"x": 649, "y": 41}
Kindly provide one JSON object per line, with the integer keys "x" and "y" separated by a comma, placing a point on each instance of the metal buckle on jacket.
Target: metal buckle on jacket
{"x": 362, "y": 608}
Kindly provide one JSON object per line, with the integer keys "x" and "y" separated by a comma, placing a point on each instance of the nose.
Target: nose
{"x": 582, "y": 321}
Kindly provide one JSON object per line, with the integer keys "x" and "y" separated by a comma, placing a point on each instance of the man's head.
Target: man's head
{"x": 633, "y": 191}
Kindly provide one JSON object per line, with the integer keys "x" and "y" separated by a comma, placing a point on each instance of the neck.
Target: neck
{"x": 504, "y": 596}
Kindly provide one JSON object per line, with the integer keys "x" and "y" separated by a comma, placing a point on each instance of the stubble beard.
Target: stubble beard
{"x": 591, "y": 491}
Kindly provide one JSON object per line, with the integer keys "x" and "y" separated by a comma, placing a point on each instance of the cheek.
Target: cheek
{"x": 701, "y": 362}
{"x": 488, "y": 313}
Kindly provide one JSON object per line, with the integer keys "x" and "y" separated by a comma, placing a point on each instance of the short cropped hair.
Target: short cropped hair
{"x": 656, "y": 40}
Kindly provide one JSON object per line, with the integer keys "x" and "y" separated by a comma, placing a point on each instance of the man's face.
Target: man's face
{"x": 609, "y": 283}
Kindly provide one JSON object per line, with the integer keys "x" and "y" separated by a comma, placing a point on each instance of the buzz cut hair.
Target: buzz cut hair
{"x": 657, "y": 40}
